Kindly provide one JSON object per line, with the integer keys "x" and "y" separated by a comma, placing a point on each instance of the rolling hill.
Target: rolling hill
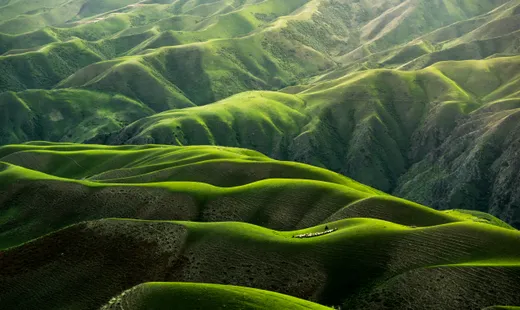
{"x": 358, "y": 264}
{"x": 386, "y": 128}
{"x": 379, "y": 91}
{"x": 70, "y": 196}
{"x": 243, "y": 154}
{"x": 184, "y": 183}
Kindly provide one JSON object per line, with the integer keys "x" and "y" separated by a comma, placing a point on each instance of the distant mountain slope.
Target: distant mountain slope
{"x": 192, "y": 52}
{"x": 492, "y": 34}
{"x": 64, "y": 115}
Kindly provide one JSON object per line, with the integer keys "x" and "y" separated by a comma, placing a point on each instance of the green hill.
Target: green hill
{"x": 491, "y": 34}
{"x": 243, "y": 154}
{"x": 155, "y": 296}
{"x": 226, "y": 46}
{"x": 383, "y": 128}
{"x": 361, "y": 256}
{"x": 64, "y": 115}
{"x": 380, "y": 127}
{"x": 364, "y": 240}
{"x": 182, "y": 183}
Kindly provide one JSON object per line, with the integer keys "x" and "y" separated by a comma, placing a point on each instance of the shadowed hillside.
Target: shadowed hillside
{"x": 64, "y": 115}
{"x": 362, "y": 255}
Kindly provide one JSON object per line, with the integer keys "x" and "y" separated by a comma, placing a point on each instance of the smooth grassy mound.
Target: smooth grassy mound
{"x": 188, "y": 296}
{"x": 163, "y": 163}
{"x": 264, "y": 121}
{"x": 85, "y": 265}
{"x": 80, "y": 182}
{"x": 74, "y": 182}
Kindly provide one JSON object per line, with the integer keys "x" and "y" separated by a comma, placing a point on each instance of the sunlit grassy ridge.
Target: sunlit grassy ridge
{"x": 360, "y": 257}
{"x": 155, "y": 296}
{"x": 369, "y": 96}
{"x": 74, "y": 182}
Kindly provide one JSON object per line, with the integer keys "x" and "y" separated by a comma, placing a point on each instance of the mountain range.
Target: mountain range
{"x": 143, "y": 141}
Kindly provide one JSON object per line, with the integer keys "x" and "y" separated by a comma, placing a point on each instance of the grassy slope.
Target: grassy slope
{"x": 412, "y": 19}
{"x": 64, "y": 115}
{"x": 265, "y": 121}
{"x": 155, "y": 296}
{"x": 254, "y": 45}
{"x": 479, "y": 97}
{"x": 372, "y": 125}
{"x": 184, "y": 183}
{"x": 362, "y": 254}
{"x": 317, "y": 129}
{"x": 207, "y": 71}
{"x": 491, "y": 34}
{"x": 44, "y": 67}
{"x": 218, "y": 68}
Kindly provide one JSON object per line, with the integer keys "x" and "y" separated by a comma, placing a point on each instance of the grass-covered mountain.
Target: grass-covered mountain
{"x": 391, "y": 93}
{"x": 221, "y": 141}
{"x": 107, "y": 219}
{"x": 450, "y": 127}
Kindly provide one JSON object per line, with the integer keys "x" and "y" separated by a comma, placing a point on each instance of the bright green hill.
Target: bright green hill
{"x": 363, "y": 254}
{"x": 265, "y": 121}
{"x": 184, "y": 183}
{"x": 155, "y": 296}
{"x": 418, "y": 98}
{"x": 373, "y": 126}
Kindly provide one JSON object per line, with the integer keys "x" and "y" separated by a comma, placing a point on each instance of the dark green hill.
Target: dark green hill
{"x": 44, "y": 67}
{"x": 85, "y": 265}
{"x": 64, "y": 115}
